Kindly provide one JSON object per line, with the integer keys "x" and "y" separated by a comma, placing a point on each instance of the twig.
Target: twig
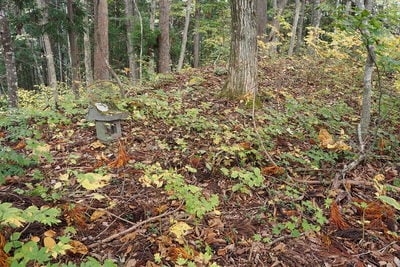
{"x": 114, "y": 236}
{"x": 378, "y": 250}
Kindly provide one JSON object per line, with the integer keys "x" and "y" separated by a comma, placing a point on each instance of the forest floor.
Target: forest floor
{"x": 272, "y": 169}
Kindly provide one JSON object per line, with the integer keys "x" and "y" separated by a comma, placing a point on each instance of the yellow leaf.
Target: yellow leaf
{"x": 49, "y": 242}
{"x": 78, "y": 247}
{"x": 93, "y": 181}
{"x": 64, "y": 177}
{"x": 97, "y": 144}
{"x": 97, "y": 214}
{"x": 35, "y": 239}
{"x": 325, "y": 138}
{"x": 50, "y": 233}
{"x": 180, "y": 229}
{"x": 379, "y": 177}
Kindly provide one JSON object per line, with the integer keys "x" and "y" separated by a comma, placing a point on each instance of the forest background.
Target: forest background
{"x": 255, "y": 129}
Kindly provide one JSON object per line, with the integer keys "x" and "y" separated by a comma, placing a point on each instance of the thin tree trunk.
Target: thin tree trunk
{"x": 242, "y": 75}
{"x": 137, "y": 11}
{"x": 51, "y": 69}
{"x": 87, "y": 46}
{"x": 9, "y": 60}
{"x": 153, "y": 10}
{"x": 38, "y": 68}
{"x": 196, "y": 36}
{"x": 368, "y": 71}
{"x": 101, "y": 48}
{"x": 74, "y": 50}
{"x": 294, "y": 27}
{"x": 129, "y": 42}
{"x": 273, "y": 37}
{"x": 185, "y": 35}
{"x": 299, "y": 39}
{"x": 164, "y": 64}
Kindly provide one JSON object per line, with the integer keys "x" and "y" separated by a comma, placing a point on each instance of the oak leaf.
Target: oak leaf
{"x": 78, "y": 247}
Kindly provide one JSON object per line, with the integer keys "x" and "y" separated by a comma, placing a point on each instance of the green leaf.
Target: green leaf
{"x": 390, "y": 201}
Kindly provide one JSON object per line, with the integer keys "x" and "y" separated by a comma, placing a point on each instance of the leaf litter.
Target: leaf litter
{"x": 188, "y": 127}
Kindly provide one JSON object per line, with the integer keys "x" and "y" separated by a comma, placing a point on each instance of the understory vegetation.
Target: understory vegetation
{"x": 201, "y": 180}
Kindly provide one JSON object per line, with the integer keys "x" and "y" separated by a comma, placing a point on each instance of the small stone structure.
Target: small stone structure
{"x": 107, "y": 120}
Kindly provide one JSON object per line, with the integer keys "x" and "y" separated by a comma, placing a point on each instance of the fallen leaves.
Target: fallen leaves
{"x": 336, "y": 218}
{"x": 121, "y": 159}
{"x": 3, "y": 255}
{"x": 93, "y": 181}
{"x": 180, "y": 229}
{"x": 272, "y": 170}
{"x": 327, "y": 141}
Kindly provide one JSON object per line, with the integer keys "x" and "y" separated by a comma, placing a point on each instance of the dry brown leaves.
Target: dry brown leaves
{"x": 75, "y": 215}
{"x": 272, "y": 170}
{"x": 121, "y": 159}
{"x": 336, "y": 218}
{"x": 3, "y": 255}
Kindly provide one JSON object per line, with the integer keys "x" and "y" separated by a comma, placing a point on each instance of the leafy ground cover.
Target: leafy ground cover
{"x": 201, "y": 180}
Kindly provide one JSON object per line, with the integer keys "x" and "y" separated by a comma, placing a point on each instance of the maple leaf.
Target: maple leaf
{"x": 336, "y": 218}
{"x": 93, "y": 181}
{"x": 180, "y": 229}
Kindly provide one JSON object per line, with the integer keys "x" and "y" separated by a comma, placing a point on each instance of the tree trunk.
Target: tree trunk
{"x": 129, "y": 13}
{"x": 87, "y": 45}
{"x": 74, "y": 50}
{"x": 368, "y": 71}
{"x": 242, "y": 76}
{"x": 316, "y": 14}
{"x": 273, "y": 37}
{"x": 185, "y": 35}
{"x": 9, "y": 60}
{"x": 164, "y": 61}
{"x": 299, "y": 41}
{"x": 196, "y": 36}
{"x": 51, "y": 69}
{"x": 294, "y": 27}
{"x": 261, "y": 16}
{"x": 101, "y": 50}
{"x": 153, "y": 10}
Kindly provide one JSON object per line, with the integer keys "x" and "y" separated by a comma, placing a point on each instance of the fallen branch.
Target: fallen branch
{"x": 134, "y": 227}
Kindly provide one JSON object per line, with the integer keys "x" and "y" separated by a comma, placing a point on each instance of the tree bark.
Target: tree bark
{"x": 196, "y": 36}
{"x": 153, "y": 10}
{"x": 87, "y": 46}
{"x": 294, "y": 27}
{"x": 185, "y": 35}
{"x": 365, "y": 120}
{"x": 129, "y": 13}
{"x": 299, "y": 39}
{"x": 261, "y": 16}
{"x": 242, "y": 75}
{"x": 51, "y": 69}
{"x": 74, "y": 50}
{"x": 101, "y": 48}
{"x": 9, "y": 60}
{"x": 273, "y": 37}
{"x": 164, "y": 63}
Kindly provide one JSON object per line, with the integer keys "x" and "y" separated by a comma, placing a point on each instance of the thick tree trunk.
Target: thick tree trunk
{"x": 101, "y": 50}
{"x": 316, "y": 14}
{"x": 51, "y": 69}
{"x": 129, "y": 13}
{"x": 185, "y": 35}
{"x": 242, "y": 76}
{"x": 261, "y": 16}
{"x": 294, "y": 27}
{"x": 164, "y": 61}
{"x": 9, "y": 60}
{"x": 74, "y": 50}
{"x": 196, "y": 36}
{"x": 299, "y": 39}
